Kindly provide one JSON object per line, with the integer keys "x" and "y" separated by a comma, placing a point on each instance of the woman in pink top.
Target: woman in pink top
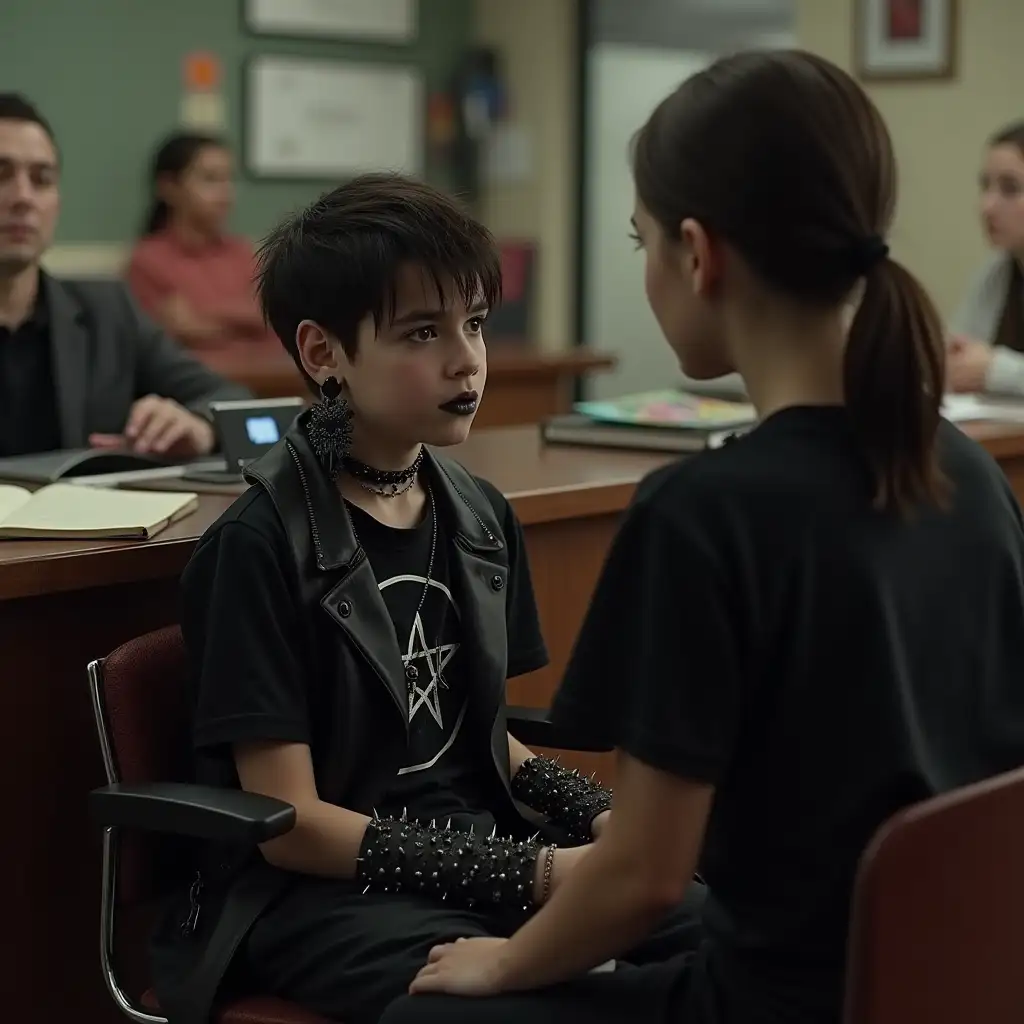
{"x": 186, "y": 271}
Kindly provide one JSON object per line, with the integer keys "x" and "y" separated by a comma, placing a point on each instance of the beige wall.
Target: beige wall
{"x": 537, "y": 41}
{"x": 939, "y": 129}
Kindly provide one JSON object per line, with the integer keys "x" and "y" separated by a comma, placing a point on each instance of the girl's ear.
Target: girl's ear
{"x": 702, "y": 256}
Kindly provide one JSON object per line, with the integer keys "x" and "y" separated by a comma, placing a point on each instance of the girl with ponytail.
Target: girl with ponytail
{"x": 795, "y": 635}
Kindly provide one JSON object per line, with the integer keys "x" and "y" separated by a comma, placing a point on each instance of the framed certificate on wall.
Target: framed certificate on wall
{"x": 324, "y": 120}
{"x": 391, "y": 21}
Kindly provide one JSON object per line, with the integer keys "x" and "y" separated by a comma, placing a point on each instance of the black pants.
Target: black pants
{"x": 628, "y": 995}
{"x": 350, "y": 957}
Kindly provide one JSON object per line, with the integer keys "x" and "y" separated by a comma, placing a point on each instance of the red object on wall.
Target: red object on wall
{"x": 512, "y": 318}
{"x": 905, "y": 19}
{"x": 516, "y": 260}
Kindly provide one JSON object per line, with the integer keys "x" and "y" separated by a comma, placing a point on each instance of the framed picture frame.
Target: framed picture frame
{"x": 385, "y": 21}
{"x": 905, "y": 40}
{"x": 318, "y": 119}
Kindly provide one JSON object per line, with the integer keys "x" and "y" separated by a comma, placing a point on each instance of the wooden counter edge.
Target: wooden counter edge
{"x": 510, "y": 365}
{"x": 66, "y": 571}
{"x": 128, "y": 562}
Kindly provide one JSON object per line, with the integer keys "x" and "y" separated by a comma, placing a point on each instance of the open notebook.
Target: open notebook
{"x": 66, "y": 512}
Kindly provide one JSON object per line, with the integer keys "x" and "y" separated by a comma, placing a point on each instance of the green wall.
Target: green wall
{"x": 108, "y": 75}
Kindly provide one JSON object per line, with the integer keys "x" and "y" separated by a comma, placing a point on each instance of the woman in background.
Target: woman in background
{"x": 186, "y": 271}
{"x": 986, "y": 349}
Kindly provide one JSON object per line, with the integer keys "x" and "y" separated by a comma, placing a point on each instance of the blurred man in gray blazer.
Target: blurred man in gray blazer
{"x": 80, "y": 366}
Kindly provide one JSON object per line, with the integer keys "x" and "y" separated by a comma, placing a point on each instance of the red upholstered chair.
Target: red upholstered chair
{"x": 937, "y": 934}
{"x": 141, "y": 717}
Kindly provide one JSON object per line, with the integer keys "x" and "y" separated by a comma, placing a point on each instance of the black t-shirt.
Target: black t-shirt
{"x": 248, "y": 637}
{"x": 442, "y": 775}
{"x": 760, "y": 627}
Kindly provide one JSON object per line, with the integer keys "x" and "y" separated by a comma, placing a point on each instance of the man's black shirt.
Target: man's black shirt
{"x": 28, "y": 401}
{"x": 759, "y": 626}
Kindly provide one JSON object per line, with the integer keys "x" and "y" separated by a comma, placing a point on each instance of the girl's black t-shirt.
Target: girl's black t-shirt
{"x": 761, "y": 627}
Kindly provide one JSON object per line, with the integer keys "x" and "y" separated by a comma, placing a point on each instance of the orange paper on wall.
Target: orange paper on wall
{"x": 201, "y": 71}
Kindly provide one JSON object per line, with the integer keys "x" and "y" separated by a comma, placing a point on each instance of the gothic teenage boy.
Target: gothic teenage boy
{"x": 795, "y": 635}
{"x": 351, "y": 622}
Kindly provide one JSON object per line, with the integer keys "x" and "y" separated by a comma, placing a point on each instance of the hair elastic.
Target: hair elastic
{"x": 868, "y": 253}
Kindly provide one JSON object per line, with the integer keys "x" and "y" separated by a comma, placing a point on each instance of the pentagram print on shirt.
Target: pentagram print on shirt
{"x": 428, "y": 636}
{"x": 442, "y": 767}
{"x": 429, "y": 650}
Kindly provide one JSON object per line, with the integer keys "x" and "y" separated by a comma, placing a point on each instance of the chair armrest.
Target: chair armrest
{"x": 534, "y": 727}
{"x": 200, "y": 812}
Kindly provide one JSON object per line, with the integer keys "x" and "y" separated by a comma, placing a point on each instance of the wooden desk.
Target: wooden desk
{"x": 1005, "y": 442}
{"x": 66, "y": 603}
{"x": 523, "y": 386}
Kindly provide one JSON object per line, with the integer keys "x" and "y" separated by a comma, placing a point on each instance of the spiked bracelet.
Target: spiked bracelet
{"x": 567, "y": 798}
{"x": 403, "y": 856}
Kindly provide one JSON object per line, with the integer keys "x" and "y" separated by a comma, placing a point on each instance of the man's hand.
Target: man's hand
{"x": 162, "y": 427}
{"x": 967, "y": 363}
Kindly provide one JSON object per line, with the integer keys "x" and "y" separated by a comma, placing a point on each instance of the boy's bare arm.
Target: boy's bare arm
{"x": 326, "y": 838}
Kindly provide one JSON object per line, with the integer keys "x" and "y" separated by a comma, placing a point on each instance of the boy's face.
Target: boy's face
{"x": 420, "y": 378}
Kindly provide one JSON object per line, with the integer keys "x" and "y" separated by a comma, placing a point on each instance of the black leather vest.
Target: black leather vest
{"x": 364, "y": 667}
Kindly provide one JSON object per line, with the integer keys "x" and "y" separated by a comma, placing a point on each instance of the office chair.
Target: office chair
{"x": 937, "y": 930}
{"x": 142, "y": 721}
{"x": 141, "y": 716}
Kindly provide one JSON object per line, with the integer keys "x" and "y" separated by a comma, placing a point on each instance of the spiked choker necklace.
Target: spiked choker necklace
{"x": 388, "y": 483}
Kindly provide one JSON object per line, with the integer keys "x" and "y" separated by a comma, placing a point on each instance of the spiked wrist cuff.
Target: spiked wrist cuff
{"x": 403, "y": 856}
{"x": 569, "y": 799}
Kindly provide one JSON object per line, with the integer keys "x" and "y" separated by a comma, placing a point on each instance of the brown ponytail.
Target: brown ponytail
{"x": 783, "y": 155}
{"x": 894, "y": 378}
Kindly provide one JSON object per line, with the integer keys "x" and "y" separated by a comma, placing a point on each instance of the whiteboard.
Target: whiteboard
{"x": 386, "y": 20}
{"x": 323, "y": 119}
{"x": 624, "y": 85}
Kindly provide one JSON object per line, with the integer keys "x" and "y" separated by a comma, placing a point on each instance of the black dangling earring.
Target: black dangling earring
{"x": 330, "y": 427}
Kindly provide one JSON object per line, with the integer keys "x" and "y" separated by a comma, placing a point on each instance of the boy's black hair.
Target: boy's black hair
{"x": 14, "y": 107}
{"x": 338, "y": 260}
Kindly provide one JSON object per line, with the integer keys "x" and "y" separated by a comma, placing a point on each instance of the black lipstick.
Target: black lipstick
{"x": 461, "y": 405}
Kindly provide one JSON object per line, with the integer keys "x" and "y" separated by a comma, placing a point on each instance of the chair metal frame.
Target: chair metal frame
{"x": 111, "y": 860}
